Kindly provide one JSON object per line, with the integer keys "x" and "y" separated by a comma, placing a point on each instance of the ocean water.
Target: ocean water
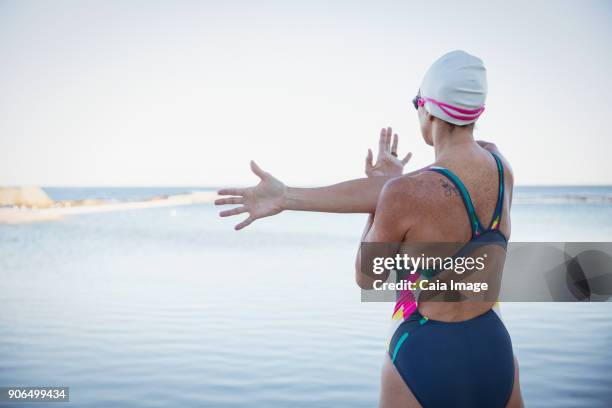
{"x": 172, "y": 307}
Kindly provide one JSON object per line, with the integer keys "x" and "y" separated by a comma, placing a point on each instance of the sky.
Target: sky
{"x": 181, "y": 93}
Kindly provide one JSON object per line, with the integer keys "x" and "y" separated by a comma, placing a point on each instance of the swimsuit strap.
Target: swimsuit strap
{"x": 495, "y": 221}
{"x": 476, "y": 225}
{"x": 467, "y": 201}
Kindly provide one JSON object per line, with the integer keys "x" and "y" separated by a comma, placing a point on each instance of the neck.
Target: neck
{"x": 447, "y": 142}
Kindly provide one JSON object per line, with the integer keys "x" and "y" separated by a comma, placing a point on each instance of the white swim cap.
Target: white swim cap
{"x": 454, "y": 88}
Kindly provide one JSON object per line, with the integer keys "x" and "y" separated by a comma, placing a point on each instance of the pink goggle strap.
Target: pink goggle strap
{"x": 467, "y": 114}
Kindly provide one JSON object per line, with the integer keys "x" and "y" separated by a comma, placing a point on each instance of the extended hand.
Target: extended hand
{"x": 387, "y": 162}
{"x": 263, "y": 200}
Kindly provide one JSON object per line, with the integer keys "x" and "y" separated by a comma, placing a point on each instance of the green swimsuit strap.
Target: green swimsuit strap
{"x": 476, "y": 225}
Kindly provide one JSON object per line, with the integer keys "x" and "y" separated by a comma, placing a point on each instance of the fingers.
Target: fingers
{"x": 233, "y": 211}
{"x": 381, "y": 141}
{"x": 244, "y": 223}
{"x": 232, "y": 191}
{"x": 406, "y": 159}
{"x": 384, "y": 143}
{"x": 229, "y": 200}
{"x": 394, "y": 145}
{"x": 369, "y": 158}
{"x": 258, "y": 171}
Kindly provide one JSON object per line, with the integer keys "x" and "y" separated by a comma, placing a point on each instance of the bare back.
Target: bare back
{"x": 436, "y": 213}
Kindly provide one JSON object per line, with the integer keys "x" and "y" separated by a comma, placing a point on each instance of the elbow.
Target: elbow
{"x": 364, "y": 278}
{"x": 363, "y": 285}
{"x": 360, "y": 278}
{"x": 363, "y": 281}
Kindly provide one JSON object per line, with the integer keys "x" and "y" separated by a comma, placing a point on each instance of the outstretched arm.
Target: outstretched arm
{"x": 271, "y": 196}
{"x": 353, "y": 196}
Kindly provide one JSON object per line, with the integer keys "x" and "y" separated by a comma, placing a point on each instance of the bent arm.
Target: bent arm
{"x": 389, "y": 225}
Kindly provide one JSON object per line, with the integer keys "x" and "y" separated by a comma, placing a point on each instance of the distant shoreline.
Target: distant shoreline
{"x": 22, "y": 214}
{"x": 32, "y": 204}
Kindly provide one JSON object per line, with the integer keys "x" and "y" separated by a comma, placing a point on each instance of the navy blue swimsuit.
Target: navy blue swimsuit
{"x": 457, "y": 364}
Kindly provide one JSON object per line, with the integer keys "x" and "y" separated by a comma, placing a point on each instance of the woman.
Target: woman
{"x": 440, "y": 354}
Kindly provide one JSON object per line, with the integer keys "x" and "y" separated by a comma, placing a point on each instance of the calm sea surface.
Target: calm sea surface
{"x": 171, "y": 307}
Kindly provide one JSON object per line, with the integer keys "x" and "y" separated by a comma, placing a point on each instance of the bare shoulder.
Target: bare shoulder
{"x": 409, "y": 193}
{"x": 492, "y": 147}
{"x": 399, "y": 206}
